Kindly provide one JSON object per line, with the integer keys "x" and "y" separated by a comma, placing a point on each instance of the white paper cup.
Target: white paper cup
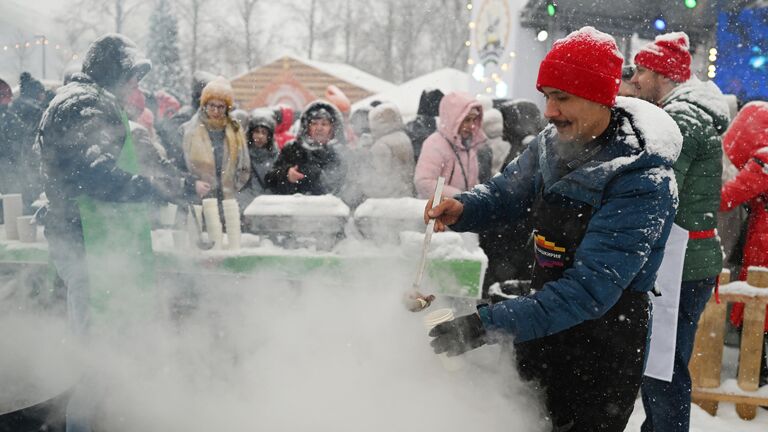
{"x": 11, "y": 210}
{"x": 168, "y": 215}
{"x": 215, "y": 234}
{"x": 434, "y": 318}
{"x": 232, "y": 221}
{"x": 27, "y": 229}
{"x": 213, "y": 224}
{"x": 210, "y": 202}
{"x": 233, "y": 235}
{"x": 233, "y": 239}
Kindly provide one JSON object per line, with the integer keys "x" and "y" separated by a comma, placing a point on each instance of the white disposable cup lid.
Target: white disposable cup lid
{"x": 438, "y": 316}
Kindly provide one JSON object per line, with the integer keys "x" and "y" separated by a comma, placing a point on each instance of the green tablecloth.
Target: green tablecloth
{"x": 455, "y": 277}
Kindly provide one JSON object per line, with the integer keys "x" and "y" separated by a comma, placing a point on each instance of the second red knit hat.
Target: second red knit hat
{"x": 667, "y": 55}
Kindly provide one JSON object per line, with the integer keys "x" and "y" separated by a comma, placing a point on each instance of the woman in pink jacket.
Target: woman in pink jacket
{"x": 451, "y": 151}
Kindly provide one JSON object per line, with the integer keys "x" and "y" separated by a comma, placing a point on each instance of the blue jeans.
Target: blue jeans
{"x": 668, "y": 404}
{"x": 73, "y": 270}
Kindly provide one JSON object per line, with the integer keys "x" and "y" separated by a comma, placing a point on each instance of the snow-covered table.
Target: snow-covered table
{"x": 456, "y": 267}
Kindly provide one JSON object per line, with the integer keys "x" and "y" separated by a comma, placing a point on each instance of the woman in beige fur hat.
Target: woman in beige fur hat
{"x": 214, "y": 144}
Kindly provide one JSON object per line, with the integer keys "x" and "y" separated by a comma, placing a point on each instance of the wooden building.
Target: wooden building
{"x": 294, "y": 82}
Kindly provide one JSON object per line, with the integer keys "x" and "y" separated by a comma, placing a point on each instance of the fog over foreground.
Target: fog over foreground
{"x": 337, "y": 354}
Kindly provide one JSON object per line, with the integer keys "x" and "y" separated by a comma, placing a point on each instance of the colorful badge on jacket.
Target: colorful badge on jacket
{"x": 548, "y": 254}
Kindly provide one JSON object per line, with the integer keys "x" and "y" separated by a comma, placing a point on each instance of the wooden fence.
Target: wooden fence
{"x": 707, "y": 360}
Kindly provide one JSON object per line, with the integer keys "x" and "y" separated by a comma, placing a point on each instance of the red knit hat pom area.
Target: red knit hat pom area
{"x": 667, "y": 55}
{"x": 586, "y": 63}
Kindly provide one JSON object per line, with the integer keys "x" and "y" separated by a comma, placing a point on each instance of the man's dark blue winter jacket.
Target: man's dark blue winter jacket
{"x": 630, "y": 186}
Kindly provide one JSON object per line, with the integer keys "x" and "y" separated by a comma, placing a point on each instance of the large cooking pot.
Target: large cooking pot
{"x": 36, "y": 372}
{"x": 47, "y": 415}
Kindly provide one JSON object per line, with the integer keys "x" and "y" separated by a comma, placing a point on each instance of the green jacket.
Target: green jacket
{"x": 701, "y": 113}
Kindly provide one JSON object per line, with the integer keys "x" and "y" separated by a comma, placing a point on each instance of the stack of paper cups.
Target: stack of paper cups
{"x": 11, "y": 211}
{"x": 232, "y": 222}
{"x": 213, "y": 221}
{"x": 27, "y": 228}
{"x": 168, "y": 215}
{"x": 431, "y": 320}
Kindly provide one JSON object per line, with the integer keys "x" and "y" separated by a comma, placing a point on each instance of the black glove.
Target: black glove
{"x": 458, "y": 336}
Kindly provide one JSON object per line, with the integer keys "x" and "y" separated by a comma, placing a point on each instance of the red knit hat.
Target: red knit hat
{"x": 586, "y": 63}
{"x": 667, "y": 55}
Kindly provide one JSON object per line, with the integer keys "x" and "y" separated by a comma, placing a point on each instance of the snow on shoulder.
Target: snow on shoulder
{"x": 297, "y": 205}
{"x": 662, "y": 136}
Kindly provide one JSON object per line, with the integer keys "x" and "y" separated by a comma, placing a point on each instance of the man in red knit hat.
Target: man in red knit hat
{"x": 597, "y": 185}
{"x": 663, "y": 77}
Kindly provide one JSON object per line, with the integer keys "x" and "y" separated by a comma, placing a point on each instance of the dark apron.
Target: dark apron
{"x": 590, "y": 373}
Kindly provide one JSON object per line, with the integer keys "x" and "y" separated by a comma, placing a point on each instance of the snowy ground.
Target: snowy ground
{"x": 726, "y": 419}
{"x": 701, "y": 421}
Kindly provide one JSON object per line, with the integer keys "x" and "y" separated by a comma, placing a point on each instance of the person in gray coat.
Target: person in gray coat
{"x": 493, "y": 126}
{"x": 391, "y": 160}
{"x": 259, "y": 135}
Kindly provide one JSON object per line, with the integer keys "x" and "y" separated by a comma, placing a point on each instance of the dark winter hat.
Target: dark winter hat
{"x": 200, "y": 79}
{"x": 667, "y": 55}
{"x": 521, "y": 118}
{"x": 262, "y": 117}
{"x": 320, "y": 113}
{"x": 6, "y": 94}
{"x": 429, "y": 103}
{"x": 586, "y": 63}
{"x": 627, "y": 72}
{"x": 30, "y": 87}
{"x": 114, "y": 58}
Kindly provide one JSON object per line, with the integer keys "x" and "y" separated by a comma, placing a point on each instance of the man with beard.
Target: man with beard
{"x": 663, "y": 77}
{"x": 599, "y": 187}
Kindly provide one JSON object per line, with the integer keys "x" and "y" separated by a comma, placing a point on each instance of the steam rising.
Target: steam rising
{"x": 264, "y": 353}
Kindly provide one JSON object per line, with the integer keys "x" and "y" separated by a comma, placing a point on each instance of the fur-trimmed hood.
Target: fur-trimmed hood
{"x": 337, "y": 120}
{"x": 385, "y": 119}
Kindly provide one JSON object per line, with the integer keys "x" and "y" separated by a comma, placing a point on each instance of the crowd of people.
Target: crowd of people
{"x": 594, "y": 194}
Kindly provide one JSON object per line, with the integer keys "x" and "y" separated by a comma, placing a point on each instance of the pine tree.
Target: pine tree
{"x": 163, "y": 51}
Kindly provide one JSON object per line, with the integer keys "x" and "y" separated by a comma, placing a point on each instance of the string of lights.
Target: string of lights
{"x": 493, "y": 83}
{"x": 12, "y": 48}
